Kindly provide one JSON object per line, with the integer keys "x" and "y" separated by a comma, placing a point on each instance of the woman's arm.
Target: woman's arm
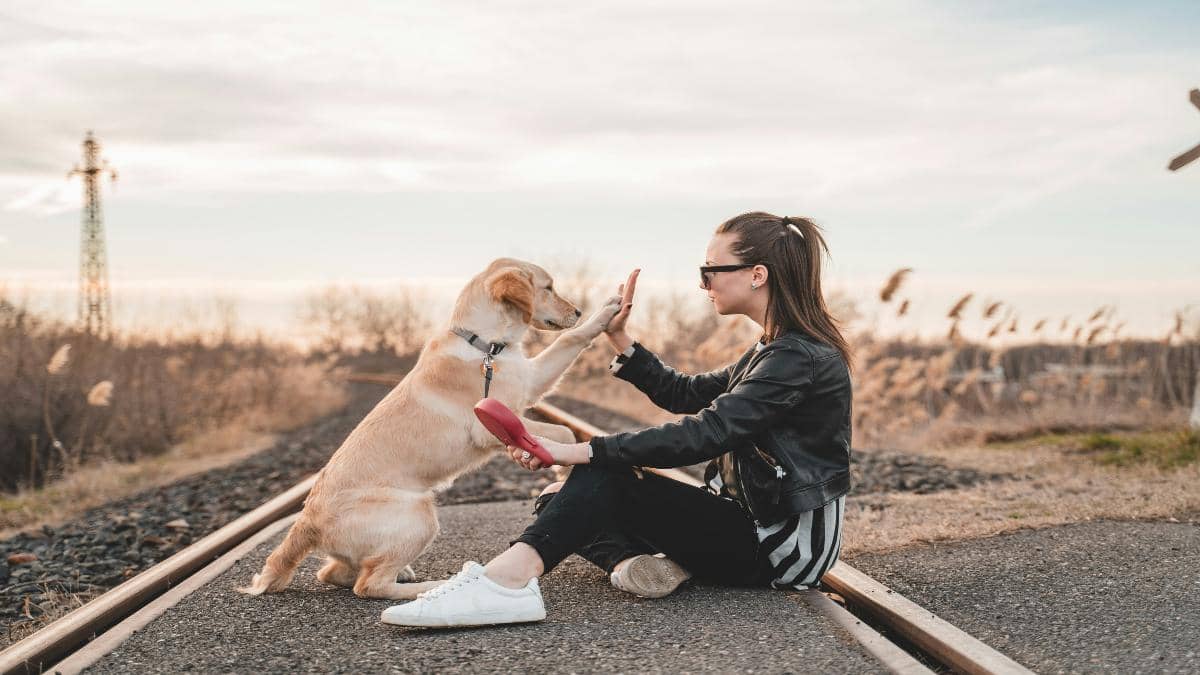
{"x": 778, "y": 380}
{"x": 670, "y": 389}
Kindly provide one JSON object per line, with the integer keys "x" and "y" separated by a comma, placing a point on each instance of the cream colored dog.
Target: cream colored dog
{"x": 371, "y": 510}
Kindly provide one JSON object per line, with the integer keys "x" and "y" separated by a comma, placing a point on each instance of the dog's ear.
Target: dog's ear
{"x": 513, "y": 286}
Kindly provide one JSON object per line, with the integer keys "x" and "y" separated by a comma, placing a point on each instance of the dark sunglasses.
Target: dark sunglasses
{"x": 706, "y": 270}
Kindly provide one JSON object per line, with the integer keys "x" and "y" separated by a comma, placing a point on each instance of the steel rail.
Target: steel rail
{"x": 36, "y": 652}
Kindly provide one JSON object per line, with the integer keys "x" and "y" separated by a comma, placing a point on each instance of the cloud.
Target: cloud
{"x": 46, "y": 199}
{"x": 803, "y": 103}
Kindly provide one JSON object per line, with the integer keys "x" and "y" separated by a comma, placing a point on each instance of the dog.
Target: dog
{"x": 371, "y": 510}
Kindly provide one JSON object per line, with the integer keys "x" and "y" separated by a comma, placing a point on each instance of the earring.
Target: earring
{"x": 753, "y": 286}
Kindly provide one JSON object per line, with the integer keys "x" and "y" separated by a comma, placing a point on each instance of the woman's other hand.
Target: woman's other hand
{"x": 564, "y": 454}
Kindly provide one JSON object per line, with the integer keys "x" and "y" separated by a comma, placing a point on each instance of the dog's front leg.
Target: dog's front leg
{"x": 553, "y": 361}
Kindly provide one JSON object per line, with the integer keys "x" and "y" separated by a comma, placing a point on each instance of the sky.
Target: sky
{"x": 1016, "y": 150}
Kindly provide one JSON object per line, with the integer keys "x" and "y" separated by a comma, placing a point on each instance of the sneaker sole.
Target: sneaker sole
{"x": 488, "y": 619}
{"x": 647, "y": 576}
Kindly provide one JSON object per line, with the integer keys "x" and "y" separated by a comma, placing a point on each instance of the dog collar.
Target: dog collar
{"x": 489, "y": 353}
{"x": 492, "y": 348}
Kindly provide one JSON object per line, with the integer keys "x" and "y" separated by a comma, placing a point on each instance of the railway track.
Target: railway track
{"x": 855, "y": 601}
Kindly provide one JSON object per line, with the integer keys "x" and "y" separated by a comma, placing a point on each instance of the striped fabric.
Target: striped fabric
{"x": 805, "y": 546}
{"x": 802, "y": 547}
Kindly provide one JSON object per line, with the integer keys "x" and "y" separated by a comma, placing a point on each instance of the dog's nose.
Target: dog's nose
{"x": 578, "y": 314}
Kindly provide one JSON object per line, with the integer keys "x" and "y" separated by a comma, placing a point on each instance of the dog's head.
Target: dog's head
{"x": 529, "y": 290}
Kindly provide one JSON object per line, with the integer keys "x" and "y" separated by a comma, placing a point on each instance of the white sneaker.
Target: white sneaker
{"x": 469, "y": 598}
{"x": 649, "y": 576}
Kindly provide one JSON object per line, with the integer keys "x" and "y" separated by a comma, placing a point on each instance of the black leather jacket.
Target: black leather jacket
{"x": 776, "y": 424}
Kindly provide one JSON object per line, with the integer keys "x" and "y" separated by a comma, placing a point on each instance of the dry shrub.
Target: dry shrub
{"x": 976, "y": 392}
{"x": 352, "y": 319}
{"x": 127, "y": 398}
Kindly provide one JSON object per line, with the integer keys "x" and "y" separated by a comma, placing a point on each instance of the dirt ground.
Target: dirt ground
{"x": 1053, "y": 486}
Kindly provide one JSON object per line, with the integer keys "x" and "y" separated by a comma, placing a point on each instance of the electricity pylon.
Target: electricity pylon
{"x": 1187, "y": 157}
{"x": 95, "y": 303}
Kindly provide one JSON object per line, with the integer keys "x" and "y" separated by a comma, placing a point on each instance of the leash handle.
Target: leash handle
{"x": 508, "y": 428}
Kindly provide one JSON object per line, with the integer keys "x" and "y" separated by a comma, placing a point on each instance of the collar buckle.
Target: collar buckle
{"x": 489, "y": 354}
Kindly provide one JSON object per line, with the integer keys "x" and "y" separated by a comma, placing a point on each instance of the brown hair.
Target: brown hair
{"x": 793, "y": 262}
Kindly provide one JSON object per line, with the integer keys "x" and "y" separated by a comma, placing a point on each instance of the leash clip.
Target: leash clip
{"x": 487, "y": 374}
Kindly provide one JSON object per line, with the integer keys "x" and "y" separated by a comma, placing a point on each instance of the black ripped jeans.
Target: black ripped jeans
{"x": 608, "y": 514}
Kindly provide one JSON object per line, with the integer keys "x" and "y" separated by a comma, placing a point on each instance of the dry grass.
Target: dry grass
{"x": 1165, "y": 449}
{"x": 69, "y": 400}
{"x": 93, "y": 485}
{"x": 1056, "y": 486}
{"x": 57, "y": 604}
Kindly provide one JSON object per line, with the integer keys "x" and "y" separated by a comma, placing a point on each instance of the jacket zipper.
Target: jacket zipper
{"x": 779, "y": 472}
{"x": 745, "y": 495}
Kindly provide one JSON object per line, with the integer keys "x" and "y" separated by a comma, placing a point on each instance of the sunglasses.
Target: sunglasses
{"x": 707, "y": 270}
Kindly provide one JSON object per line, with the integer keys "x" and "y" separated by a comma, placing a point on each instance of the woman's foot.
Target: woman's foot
{"x": 649, "y": 576}
{"x": 469, "y": 598}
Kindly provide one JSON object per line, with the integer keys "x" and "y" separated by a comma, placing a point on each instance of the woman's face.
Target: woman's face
{"x": 730, "y": 292}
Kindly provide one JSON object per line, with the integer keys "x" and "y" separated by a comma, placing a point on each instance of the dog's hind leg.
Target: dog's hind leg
{"x": 377, "y": 579}
{"x": 337, "y": 573}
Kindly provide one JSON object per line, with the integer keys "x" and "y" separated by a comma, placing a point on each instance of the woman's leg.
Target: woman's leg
{"x": 711, "y": 537}
{"x": 609, "y": 548}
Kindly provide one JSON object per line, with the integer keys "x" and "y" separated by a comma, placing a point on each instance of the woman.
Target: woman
{"x": 776, "y": 425}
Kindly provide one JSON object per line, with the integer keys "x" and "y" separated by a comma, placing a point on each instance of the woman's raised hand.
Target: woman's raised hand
{"x": 616, "y": 326}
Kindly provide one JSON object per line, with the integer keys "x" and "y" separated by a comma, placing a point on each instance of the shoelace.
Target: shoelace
{"x": 456, "y": 581}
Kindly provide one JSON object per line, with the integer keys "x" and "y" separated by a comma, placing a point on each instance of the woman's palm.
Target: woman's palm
{"x": 625, "y": 290}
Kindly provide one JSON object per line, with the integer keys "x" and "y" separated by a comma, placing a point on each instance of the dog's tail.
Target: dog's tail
{"x": 282, "y": 563}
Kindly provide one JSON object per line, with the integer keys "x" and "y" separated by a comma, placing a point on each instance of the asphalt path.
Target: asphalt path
{"x": 1093, "y": 597}
{"x": 591, "y": 627}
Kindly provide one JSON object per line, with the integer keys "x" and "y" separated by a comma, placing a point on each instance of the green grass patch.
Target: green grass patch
{"x": 1165, "y": 449}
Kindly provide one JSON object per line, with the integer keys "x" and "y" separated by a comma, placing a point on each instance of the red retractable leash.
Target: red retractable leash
{"x": 506, "y": 426}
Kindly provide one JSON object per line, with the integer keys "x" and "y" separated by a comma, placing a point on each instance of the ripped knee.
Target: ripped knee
{"x": 544, "y": 498}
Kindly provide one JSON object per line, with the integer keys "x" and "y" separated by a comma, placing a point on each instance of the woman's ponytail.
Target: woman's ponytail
{"x": 791, "y": 248}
